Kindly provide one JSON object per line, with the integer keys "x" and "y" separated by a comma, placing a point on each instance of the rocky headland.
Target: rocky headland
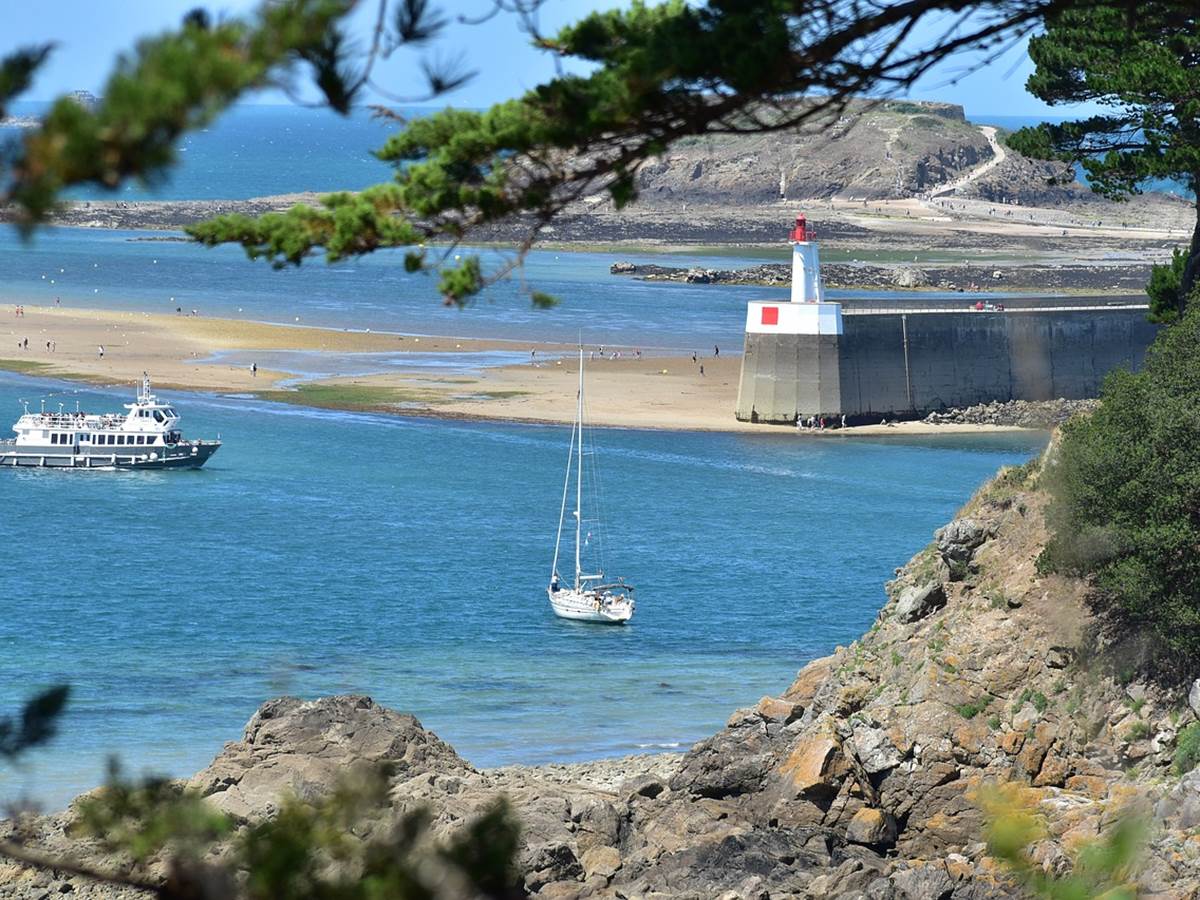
{"x": 865, "y": 777}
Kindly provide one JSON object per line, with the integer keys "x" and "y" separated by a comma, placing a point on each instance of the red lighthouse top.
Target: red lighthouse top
{"x": 800, "y": 233}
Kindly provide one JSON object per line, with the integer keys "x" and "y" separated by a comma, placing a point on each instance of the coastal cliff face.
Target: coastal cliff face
{"x": 862, "y": 779}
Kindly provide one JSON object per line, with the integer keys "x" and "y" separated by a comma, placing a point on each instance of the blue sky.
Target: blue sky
{"x": 90, "y": 34}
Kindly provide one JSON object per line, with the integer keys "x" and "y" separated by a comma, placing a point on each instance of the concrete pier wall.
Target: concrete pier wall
{"x": 917, "y": 362}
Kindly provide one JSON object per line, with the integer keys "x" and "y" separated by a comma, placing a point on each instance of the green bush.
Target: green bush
{"x": 1163, "y": 288}
{"x": 971, "y": 710}
{"x": 1125, "y": 508}
{"x": 1187, "y": 749}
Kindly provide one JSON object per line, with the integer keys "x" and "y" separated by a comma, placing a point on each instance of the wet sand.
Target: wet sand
{"x": 667, "y": 393}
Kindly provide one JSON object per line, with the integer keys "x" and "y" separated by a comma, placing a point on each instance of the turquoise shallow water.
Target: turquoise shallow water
{"x": 324, "y": 552}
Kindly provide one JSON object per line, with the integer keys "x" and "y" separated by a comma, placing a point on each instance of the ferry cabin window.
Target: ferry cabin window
{"x": 54, "y": 438}
{"x": 158, "y": 416}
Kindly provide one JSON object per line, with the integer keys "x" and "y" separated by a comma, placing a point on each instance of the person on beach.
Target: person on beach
{"x": 701, "y": 370}
{"x": 843, "y": 420}
{"x": 716, "y": 351}
{"x": 101, "y": 349}
{"x": 254, "y": 370}
{"x": 693, "y": 356}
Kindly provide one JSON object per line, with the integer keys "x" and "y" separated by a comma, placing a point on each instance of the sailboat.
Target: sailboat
{"x": 590, "y": 598}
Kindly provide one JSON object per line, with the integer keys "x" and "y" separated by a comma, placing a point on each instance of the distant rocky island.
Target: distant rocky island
{"x": 863, "y": 778}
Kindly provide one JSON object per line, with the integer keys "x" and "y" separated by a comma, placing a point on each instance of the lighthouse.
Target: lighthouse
{"x": 806, "y": 265}
{"x": 790, "y": 361}
{"x": 806, "y": 312}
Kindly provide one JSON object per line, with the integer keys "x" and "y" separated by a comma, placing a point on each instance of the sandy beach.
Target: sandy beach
{"x": 667, "y": 392}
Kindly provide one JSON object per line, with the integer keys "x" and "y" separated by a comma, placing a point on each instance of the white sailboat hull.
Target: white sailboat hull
{"x": 591, "y": 606}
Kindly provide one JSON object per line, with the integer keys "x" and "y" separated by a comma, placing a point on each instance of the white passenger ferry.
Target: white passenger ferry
{"x": 147, "y": 437}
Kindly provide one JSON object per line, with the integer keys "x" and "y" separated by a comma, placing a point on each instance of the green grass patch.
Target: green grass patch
{"x": 23, "y": 366}
{"x": 1187, "y": 749}
{"x": 971, "y": 710}
{"x": 353, "y": 396}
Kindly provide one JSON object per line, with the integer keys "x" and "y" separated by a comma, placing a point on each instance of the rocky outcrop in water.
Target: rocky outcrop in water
{"x": 863, "y": 778}
{"x": 1128, "y": 278}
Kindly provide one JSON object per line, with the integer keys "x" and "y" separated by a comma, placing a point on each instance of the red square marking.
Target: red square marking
{"x": 770, "y": 315}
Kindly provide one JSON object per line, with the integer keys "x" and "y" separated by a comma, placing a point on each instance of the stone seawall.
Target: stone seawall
{"x": 909, "y": 364}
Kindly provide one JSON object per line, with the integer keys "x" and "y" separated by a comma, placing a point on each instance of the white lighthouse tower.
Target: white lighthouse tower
{"x": 807, "y": 312}
{"x": 806, "y": 265}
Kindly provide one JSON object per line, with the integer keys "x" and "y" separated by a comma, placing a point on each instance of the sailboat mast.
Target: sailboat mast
{"x": 562, "y": 510}
{"x": 579, "y": 471}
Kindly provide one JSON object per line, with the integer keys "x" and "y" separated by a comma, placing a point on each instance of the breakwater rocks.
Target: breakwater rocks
{"x": 866, "y": 777}
{"x": 1129, "y": 278}
{"x": 1017, "y": 413}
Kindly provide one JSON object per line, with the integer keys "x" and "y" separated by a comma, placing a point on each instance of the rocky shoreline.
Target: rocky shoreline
{"x": 1040, "y": 414}
{"x": 864, "y": 778}
{"x": 1122, "y": 278}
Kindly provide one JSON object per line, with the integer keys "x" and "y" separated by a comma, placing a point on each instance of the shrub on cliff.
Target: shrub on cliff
{"x": 1125, "y": 508}
{"x": 1163, "y": 288}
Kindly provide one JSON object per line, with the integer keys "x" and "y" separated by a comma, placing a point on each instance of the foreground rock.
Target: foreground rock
{"x": 863, "y": 778}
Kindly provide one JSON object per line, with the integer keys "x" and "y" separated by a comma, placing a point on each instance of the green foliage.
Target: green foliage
{"x": 459, "y": 283}
{"x": 1164, "y": 288}
{"x": 1187, "y": 749}
{"x": 36, "y": 725}
{"x": 171, "y": 84}
{"x": 994, "y": 723}
{"x": 1102, "y": 868}
{"x": 971, "y": 710}
{"x": 146, "y": 818}
{"x": 1125, "y": 488}
{"x": 1140, "y": 730}
{"x": 17, "y": 71}
{"x": 1144, "y": 70}
{"x": 350, "y": 845}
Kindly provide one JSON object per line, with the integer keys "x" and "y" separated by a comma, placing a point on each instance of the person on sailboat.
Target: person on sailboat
{"x": 554, "y": 583}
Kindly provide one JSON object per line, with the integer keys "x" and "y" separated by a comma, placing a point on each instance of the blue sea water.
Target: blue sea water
{"x": 257, "y": 151}
{"x": 324, "y": 552}
{"x": 136, "y": 270}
